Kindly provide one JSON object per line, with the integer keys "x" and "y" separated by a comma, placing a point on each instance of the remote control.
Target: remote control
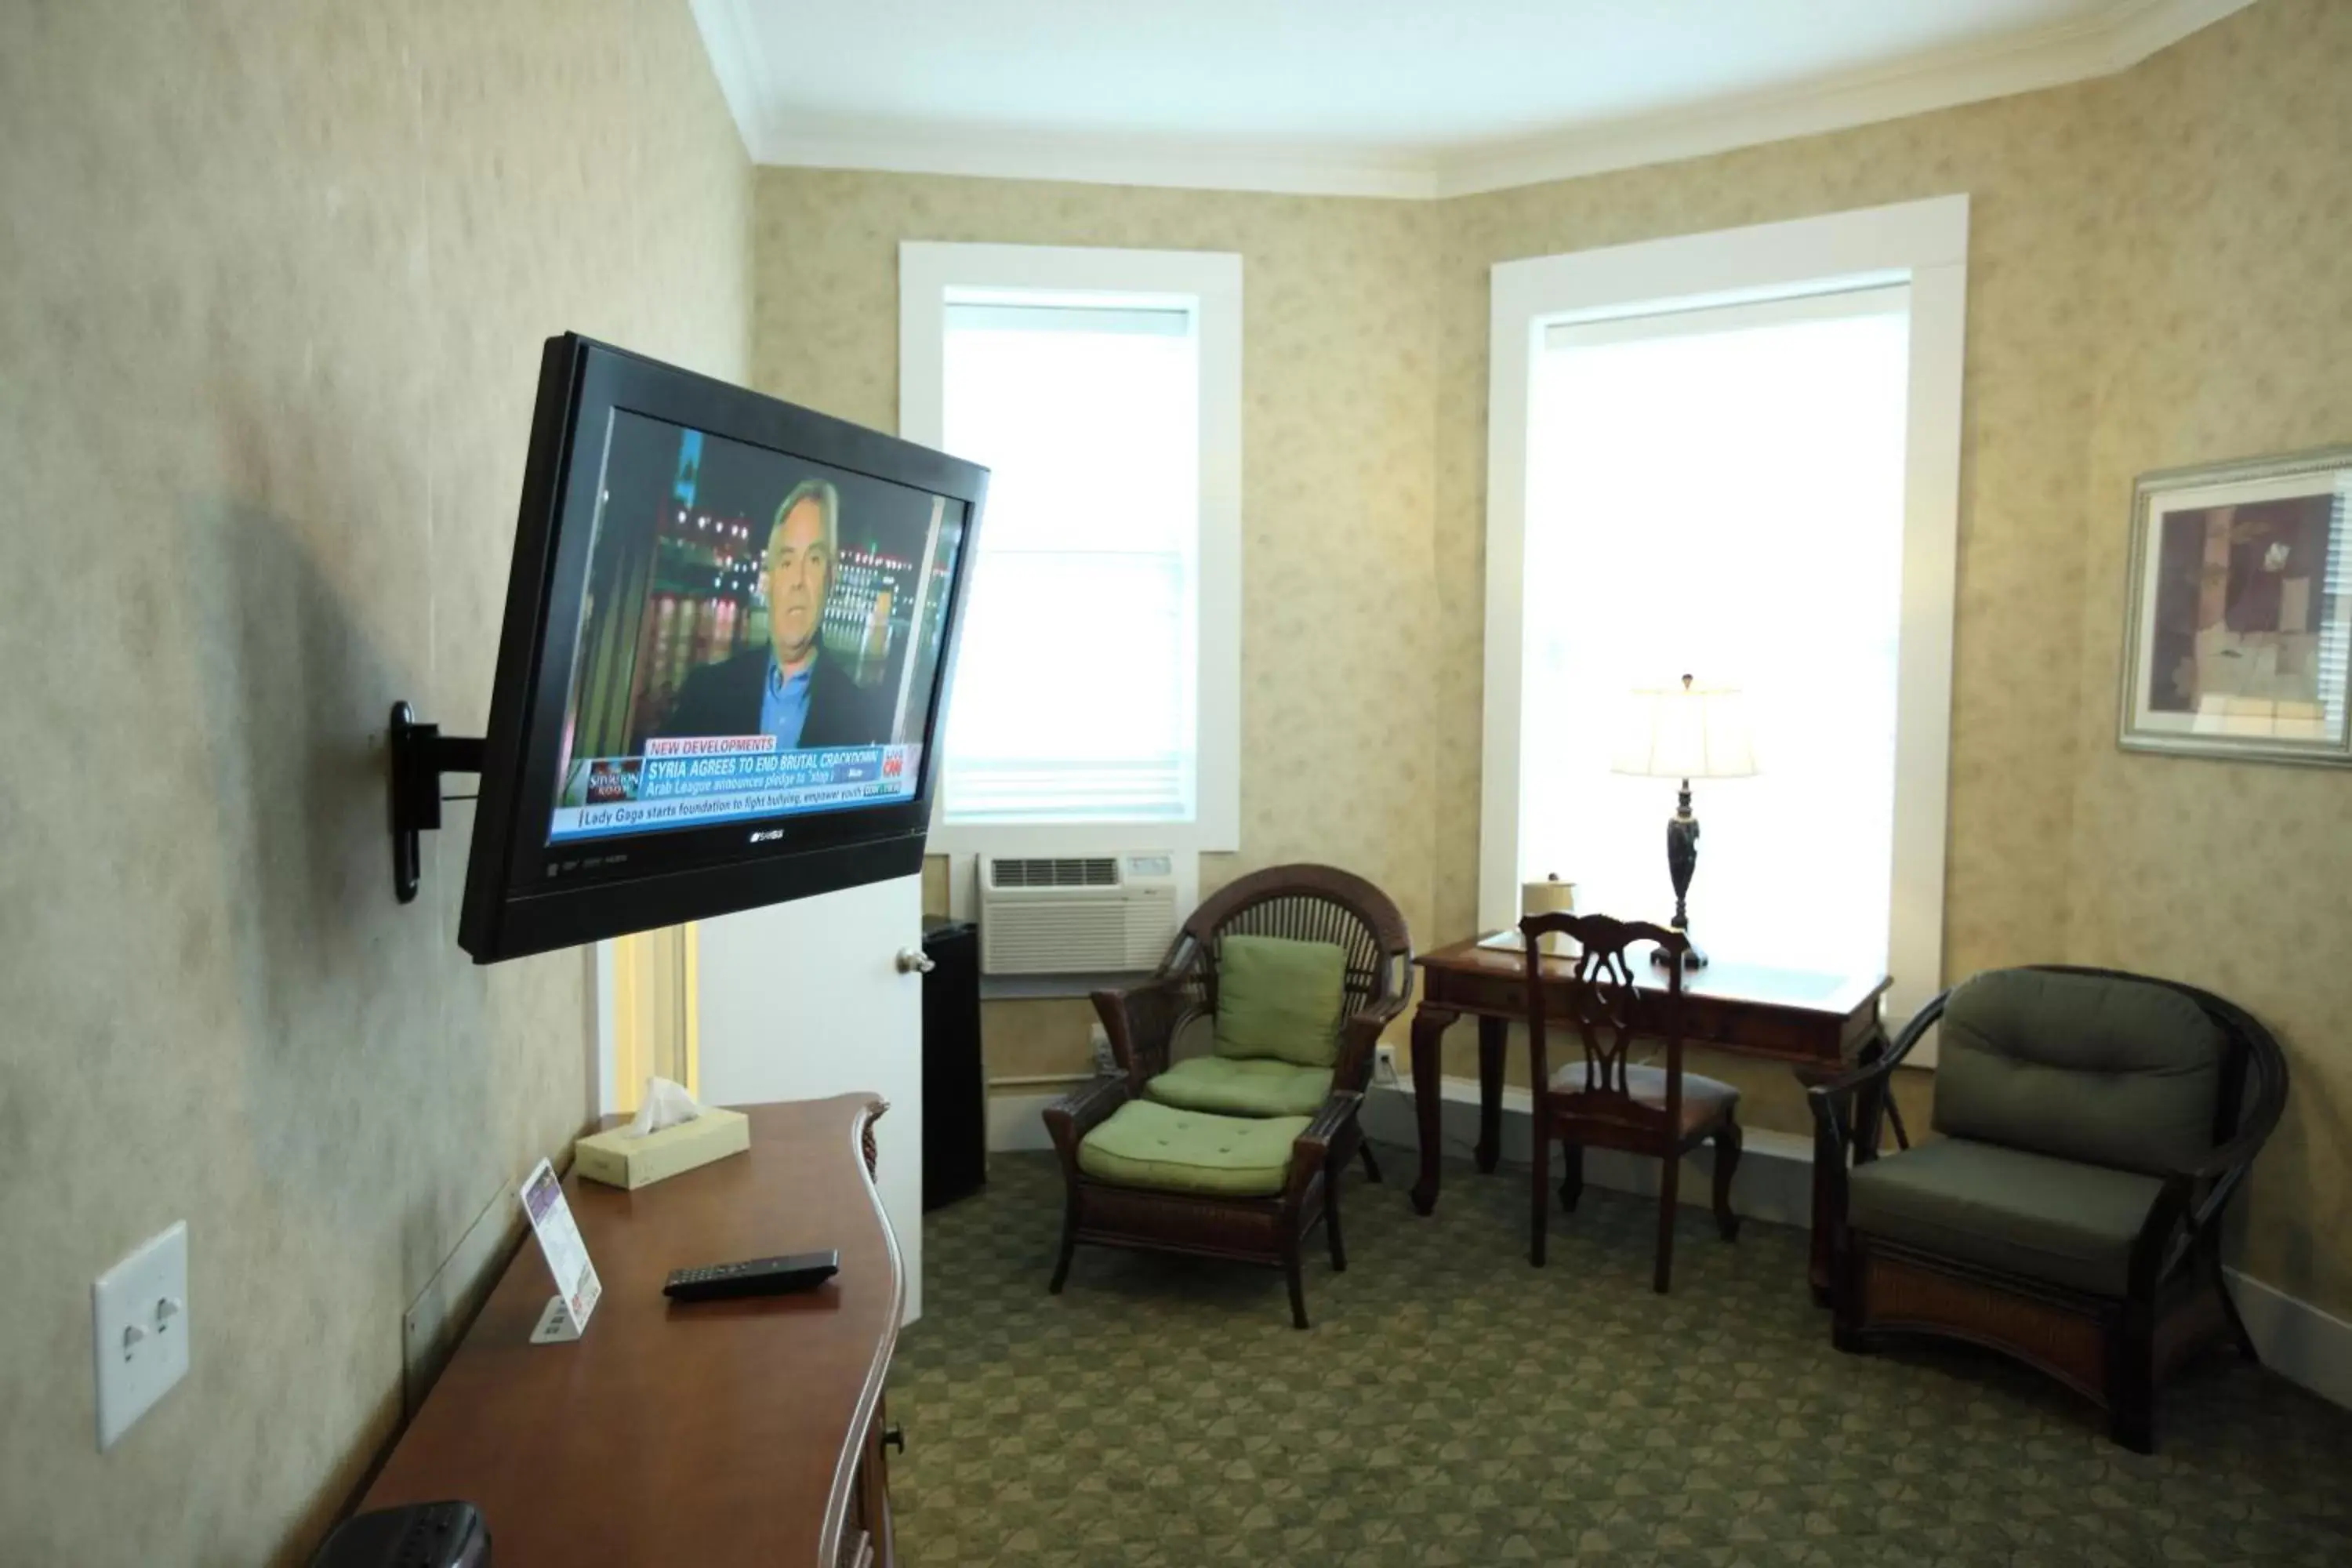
{"x": 752, "y": 1276}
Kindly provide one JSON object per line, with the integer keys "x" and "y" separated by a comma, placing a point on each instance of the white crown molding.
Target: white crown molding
{"x": 733, "y": 46}
{"x": 1184, "y": 164}
{"x": 2112, "y": 40}
{"x": 2099, "y": 46}
{"x": 2147, "y": 25}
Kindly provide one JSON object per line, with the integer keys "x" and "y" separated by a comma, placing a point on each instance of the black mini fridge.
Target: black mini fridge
{"x": 955, "y": 1083}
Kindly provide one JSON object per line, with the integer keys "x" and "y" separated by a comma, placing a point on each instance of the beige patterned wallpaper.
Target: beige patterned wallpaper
{"x": 271, "y": 291}
{"x": 2227, "y": 332}
{"x": 2158, "y": 273}
{"x": 273, "y": 279}
{"x": 1340, "y": 612}
{"x": 2035, "y": 169}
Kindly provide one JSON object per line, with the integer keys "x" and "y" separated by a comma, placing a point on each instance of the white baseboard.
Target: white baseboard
{"x": 2297, "y": 1341}
{"x": 1774, "y": 1184}
{"x": 1017, "y": 1119}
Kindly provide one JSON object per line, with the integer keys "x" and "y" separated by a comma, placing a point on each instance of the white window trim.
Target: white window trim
{"x": 1923, "y": 243}
{"x": 1211, "y": 283}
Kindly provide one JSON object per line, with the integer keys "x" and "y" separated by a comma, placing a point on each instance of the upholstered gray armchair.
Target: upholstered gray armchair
{"x": 2094, "y": 1127}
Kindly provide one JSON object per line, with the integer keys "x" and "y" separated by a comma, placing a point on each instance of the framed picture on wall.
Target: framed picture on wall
{"x": 2237, "y": 629}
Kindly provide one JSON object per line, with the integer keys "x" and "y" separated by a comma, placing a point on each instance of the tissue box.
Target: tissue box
{"x": 618, "y": 1159}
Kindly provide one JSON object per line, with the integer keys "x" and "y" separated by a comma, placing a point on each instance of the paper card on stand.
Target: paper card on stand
{"x": 576, "y": 1285}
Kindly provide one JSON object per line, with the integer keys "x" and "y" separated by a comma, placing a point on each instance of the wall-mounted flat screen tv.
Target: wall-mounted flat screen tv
{"x": 729, "y": 632}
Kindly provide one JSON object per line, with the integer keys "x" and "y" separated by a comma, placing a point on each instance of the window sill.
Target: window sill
{"x": 1065, "y": 838}
{"x": 1045, "y": 987}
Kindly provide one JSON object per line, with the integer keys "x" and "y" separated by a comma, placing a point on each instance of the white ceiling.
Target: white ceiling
{"x": 1403, "y": 97}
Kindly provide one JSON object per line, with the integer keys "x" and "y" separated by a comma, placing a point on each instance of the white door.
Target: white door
{"x": 804, "y": 1000}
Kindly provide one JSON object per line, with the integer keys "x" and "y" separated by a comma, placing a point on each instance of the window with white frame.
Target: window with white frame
{"x": 1719, "y": 492}
{"x": 1086, "y": 594}
{"x": 1096, "y": 698}
{"x": 1733, "y": 456}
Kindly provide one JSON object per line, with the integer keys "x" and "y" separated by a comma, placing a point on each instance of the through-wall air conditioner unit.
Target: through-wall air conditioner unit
{"x": 1091, "y": 914}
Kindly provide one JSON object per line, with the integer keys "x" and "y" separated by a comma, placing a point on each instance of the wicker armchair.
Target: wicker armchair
{"x": 1300, "y": 902}
{"x": 2096, "y": 1126}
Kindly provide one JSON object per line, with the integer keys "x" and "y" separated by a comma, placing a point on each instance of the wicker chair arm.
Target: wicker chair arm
{"x": 1080, "y": 1112}
{"x": 1390, "y": 1007}
{"x": 2226, "y": 1162}
{"x": 2164, "y": 1236}
{"x": 1311, "y": 1151}
{"x": 2195, "y": 1195}
{"x": 1845, "y": 1083}
{"x": 1141, "y": 1022}
{"x": 1832, "y": 1102}
{"x": 1360, "y": 1036}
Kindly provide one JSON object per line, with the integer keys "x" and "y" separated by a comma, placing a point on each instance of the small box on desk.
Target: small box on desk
{"x": 618, "y": 1159}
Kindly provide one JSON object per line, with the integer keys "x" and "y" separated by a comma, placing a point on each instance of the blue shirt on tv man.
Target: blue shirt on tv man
{"x": 783, "y": 712}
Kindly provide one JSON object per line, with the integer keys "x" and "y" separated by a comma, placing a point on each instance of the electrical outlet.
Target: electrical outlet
{"x": 139, "y": 1313}
{"x": 1384, "y": 1068}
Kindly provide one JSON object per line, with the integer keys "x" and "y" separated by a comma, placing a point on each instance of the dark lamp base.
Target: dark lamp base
{"x": 1693, "y": 958}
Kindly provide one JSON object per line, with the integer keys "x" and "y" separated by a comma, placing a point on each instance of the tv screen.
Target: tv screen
{"x": 728, "y": 636}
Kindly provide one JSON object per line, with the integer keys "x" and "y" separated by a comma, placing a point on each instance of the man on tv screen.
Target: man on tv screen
{"x": 742, "y": 656}
{"x": 788, "y": 689}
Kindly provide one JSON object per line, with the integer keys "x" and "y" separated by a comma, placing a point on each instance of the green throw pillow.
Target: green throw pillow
{"x": 1280, "y": 998}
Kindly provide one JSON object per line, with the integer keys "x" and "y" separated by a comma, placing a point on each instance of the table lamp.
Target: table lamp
{"x": 1685, "y": 732}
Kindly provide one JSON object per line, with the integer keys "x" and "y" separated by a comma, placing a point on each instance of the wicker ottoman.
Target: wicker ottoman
{"x": 1153, "y": 1176}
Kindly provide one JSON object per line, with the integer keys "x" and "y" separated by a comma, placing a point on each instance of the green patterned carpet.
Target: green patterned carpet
{"x": 1452, "y": 1404}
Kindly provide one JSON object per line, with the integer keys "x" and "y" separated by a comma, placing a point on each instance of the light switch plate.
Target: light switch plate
{"x": 138, "y": 1310}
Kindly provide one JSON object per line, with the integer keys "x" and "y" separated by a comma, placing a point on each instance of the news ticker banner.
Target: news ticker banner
{"x": 697, "y": 781}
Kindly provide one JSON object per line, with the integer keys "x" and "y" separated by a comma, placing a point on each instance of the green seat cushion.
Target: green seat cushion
{"x": 1236, "y": 1085}
{"x": 1149, "y": 1145}
{"x": 2112, "y": 1071}
{"x": 2049, "y": 1219}
{"x": 1279, "y": 998}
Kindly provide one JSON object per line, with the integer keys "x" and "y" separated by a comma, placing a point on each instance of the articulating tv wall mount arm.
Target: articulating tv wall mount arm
{"x": 421, "y": 753}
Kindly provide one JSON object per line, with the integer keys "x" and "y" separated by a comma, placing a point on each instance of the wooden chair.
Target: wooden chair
{"x": 1247, "y": 1183}
{"x": 2094, "y": 1126}
{"x": 1606, "y": 1102}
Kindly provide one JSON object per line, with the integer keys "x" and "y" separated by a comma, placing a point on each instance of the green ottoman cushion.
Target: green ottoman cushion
{"x": 1149, "y": 1145}
{"x": 1230, "y": 1086}
{"x": 1280, "y": 998}
{"x": 2086, "y": 1067}
{"x": 2049, "y": 1219}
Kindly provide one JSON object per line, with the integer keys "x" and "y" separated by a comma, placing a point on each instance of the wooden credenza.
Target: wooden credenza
{"x": 721, "y": 1432}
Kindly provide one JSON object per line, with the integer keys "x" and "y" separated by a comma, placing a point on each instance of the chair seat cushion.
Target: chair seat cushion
{"x": 1706, "y": 1101}
{"x": 2047, "y": 1218}
{"x": 1280, "y": 999}
{"x": 1230, "y": 1086}
{"x": 1148, "y": 1145}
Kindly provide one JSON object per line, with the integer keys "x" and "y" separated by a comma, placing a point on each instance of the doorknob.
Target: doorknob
{"x": 915, "y": 961}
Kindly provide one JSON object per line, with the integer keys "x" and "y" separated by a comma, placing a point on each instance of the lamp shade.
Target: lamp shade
{"x": 1687, "y": 732}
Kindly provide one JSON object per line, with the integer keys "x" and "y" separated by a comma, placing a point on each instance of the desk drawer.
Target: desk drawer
{"x": 1792, "y": 1036}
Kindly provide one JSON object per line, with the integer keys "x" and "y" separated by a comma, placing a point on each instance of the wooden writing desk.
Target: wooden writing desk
{"x": 1817, "y": 1021}
{"x": 715, "y": 1433}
